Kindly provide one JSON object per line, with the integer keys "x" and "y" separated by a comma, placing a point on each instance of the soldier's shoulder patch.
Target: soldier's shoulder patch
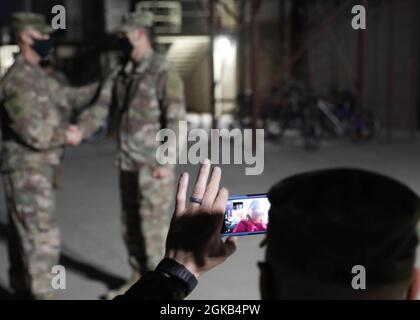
{"x": 10, "y": 76}
{"x": 15, "y": 76}
{"x": 52, "y": 84}
{"x": 158, "y": 58}
{"x": 17, "y": 106}
{"x": 160, "y": 64}
{"x": 174, "y": 85}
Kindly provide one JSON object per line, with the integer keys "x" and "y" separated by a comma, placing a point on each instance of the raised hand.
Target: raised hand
{"x": 194, "y": 236}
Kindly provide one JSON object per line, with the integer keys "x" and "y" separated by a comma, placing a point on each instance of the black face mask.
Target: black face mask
{"x": 125, "y": 46}
{"x": 42, "y": 47}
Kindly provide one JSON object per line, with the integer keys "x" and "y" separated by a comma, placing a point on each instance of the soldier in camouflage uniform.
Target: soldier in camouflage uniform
{"x": 34, "y": 133}
{"x": 148, "y": 95}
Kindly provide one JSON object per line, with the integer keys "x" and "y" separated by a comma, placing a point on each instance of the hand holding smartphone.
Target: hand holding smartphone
{"x": 246, "y": 215}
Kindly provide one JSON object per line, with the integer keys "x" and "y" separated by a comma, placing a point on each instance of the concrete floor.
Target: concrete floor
{"x": 88, "y": 212}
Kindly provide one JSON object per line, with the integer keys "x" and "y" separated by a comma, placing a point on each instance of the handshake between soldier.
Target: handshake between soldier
{"x": 74, "y": 135}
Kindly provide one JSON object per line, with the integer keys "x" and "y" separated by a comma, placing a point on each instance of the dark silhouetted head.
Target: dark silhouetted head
{"x": 340, "y": 234}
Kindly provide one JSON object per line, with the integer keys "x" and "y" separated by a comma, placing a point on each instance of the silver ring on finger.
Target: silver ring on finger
{"x": 196, "y": 200}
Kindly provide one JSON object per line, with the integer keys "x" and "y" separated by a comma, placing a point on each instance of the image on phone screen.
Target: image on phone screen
{"x": 246, "y": 214}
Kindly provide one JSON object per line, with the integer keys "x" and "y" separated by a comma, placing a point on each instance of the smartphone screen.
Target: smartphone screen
{"x": 246, "y": 214}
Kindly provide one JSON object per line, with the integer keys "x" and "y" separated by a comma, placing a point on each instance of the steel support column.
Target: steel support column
{"x": 211, "y": 29}
{"x": 361, "y": 64}
{"x": 254, "y": 40}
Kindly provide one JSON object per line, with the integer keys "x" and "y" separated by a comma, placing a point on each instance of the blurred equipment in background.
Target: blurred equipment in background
{"x": 167, "y": 15}
{"x": 7, "y": 53}
{"x": 316, "y": 118}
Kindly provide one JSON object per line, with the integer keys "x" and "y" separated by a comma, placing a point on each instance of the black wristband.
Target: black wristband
{"x": 172, "y": 268}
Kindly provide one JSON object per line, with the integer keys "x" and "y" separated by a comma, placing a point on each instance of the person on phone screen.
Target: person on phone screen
{"x": 253, "y": 220}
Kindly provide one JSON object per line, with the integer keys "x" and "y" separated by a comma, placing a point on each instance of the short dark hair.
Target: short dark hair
{"x": 325, "y": 222}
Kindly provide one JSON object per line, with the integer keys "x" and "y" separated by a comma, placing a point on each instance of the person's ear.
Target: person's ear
{"x": 25, "y": 38}
{"x": 139, "y": 34}
{"x": 267, "y": 282}
{"x": 142, "y": 35}
{"x": 414, "y": 293}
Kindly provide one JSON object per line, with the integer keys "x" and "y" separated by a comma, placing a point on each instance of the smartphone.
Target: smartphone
{"x": 246, "y": 214}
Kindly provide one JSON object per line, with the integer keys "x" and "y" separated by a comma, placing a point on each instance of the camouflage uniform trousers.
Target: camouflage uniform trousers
{"x": 146, "y": 203}
{"x": 34, "y": 237}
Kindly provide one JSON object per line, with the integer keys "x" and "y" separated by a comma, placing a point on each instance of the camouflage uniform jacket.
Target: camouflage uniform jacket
{"x": 140, "y": 93}
{"x": 34, "y": 113}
